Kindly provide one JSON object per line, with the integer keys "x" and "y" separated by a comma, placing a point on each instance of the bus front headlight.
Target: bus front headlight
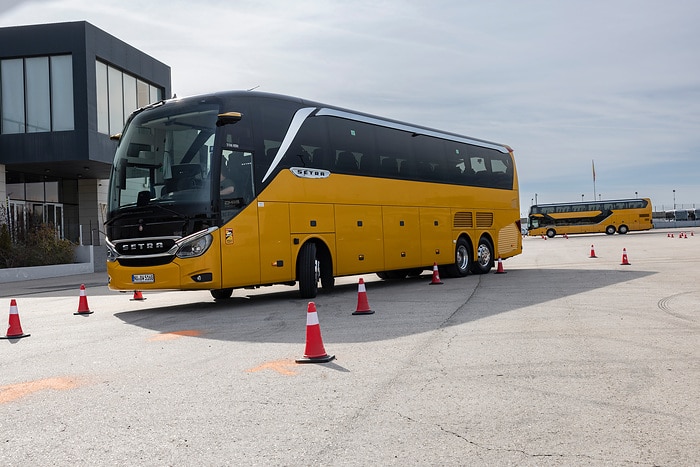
{"x": 112, "y": 254}
{"x": 194, "y": 245}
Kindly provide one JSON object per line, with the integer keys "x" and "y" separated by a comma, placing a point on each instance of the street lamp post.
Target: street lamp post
{"x": 582, "y": 198}
{"x": 674, "y": 200}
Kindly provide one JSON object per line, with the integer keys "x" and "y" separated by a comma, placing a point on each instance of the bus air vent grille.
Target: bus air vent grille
{"x": 484, "y": 219}
{"x": 463, "y": 220}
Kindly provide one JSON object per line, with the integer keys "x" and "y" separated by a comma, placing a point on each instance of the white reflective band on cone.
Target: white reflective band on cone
{"x": 311, "y": 319}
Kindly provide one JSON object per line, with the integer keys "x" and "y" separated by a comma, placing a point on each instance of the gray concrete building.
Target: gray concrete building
{"x": 64, "y": 89}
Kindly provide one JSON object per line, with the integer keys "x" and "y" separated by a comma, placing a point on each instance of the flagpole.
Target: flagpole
{"x": 595, "y": 196}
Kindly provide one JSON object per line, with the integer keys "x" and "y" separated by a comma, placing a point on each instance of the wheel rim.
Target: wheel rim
{"x": 484, "y": 255}
{"x": 462, "y": 258}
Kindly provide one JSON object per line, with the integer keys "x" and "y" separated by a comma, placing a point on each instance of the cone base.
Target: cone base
{"x": 83, "y": 312}
{"x": 137, "y": 299}
{"x": 593, "y": 256}
{"x": 19, "y": 336}
{"x": 321, "y": 359}
{"x": 367, "y": 312}
{"x": 500, "y": 272}
{"x": 436, "y": 283}
{"x": 625, "y": 264}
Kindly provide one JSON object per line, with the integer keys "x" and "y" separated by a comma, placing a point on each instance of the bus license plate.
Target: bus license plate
{"x": 143, "y": 278}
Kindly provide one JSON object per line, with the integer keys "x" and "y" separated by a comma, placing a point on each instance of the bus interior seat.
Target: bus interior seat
{"x": 389, "y": 166}
{"x": 369, "y": 164}
{"x": 346, "y": 162}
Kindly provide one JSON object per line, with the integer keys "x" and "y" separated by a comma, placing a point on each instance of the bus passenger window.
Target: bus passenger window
{"x": 389, "y": 166}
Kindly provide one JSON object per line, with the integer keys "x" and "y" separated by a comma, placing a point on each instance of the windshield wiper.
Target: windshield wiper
{"x": 145, "y": 208}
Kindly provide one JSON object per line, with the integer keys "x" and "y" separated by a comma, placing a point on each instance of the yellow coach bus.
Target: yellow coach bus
{"x": 609, "y": 216}
{"x": 245, "y": 189}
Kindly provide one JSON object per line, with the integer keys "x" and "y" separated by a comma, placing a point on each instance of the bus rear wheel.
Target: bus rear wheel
{"x": 308, "y": 271}
{"x": 622, "y": 229}
{"x": 484, "y": 257}
{"x": 610, "y": 230}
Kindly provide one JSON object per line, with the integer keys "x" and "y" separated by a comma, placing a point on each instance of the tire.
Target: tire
{"x": 610, "y": 229}
{"x": 221, "y": 294}
{"x": 484, "y": 257}
{"x": 463, "y": 260}
{"x": 623, "y": 229}
{"x": 326, "y": 270}
{"x": 551, "y": 233}
{"x": 308, "y": 271}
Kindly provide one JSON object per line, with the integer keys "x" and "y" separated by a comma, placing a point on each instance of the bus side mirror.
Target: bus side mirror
{"x": 228, "y": 118}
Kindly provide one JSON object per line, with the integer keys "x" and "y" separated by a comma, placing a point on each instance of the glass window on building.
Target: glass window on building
{"x": 12, "y": 79}
{"x": 37, "y": 94}
{"x": 116, "y": 100}
{"x": 118, "y": 95}
{"x": 102, "y": 98}
{"x": 130, "y": 100}
{"x": 62, "y": 113}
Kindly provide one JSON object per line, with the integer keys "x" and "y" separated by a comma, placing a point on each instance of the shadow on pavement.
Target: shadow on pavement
{"x": 403, "y": 308}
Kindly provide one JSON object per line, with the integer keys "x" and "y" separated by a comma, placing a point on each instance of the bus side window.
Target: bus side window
{"x": 369, "y": 164}
{"x": 389, "y": 166}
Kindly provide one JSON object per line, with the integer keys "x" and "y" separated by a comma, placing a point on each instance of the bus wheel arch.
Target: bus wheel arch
{"x": 610, "y": 230}
{"x": 551, "y": 233}
{"x": 623, "y": 229}
{"x": 314, "y": 264}
{"x": 484, "y": 259}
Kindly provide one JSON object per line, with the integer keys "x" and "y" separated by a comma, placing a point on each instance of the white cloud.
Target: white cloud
{"x": 562, "y": 82}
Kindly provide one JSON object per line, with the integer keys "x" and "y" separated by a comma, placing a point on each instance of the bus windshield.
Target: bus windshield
{"x": 163, "y": 158}
{"x": 182, "y": 166}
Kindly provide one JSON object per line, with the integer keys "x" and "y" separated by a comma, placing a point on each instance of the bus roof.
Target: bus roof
{"x": 342, "y": 113}
{"x": 580, "y": 203}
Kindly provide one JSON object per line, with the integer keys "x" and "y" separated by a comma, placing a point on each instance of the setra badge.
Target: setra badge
{"x": 229, "y": 236}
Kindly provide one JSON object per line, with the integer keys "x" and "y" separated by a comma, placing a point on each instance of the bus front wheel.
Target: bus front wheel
{"x": 484, "y": 257}
{"x": 221, "y": 294}
{"x": 610, "y": 229}
{"x": 308, "y": 271}
{"x": 463, "y": 259}
{"x": 622, "y": 229}
{"x": 551, "y": 233}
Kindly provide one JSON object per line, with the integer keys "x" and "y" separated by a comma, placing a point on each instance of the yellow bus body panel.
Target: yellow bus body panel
{"x": 359, "y": 238}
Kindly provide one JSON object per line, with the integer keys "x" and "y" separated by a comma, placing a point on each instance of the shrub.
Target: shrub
{"x": 39, "y": 247}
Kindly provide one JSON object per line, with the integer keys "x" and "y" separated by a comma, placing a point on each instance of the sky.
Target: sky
{"x": 569, "y": 85}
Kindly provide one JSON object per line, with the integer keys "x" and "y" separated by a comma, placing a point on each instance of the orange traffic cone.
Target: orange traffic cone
{"x": 138, "y": 295}
{"x": 625, "y": 262}
{"x": 362, "y": 303}
{"x": 314, "y": 352}
{"x": 83, "y": 308}
{"x": 14, "y": 330}
{"x": 592, "y": 253}
{"x": 500, "y": 270}
{"x": 436, "y": 276}
{"x": 566, "y": 236}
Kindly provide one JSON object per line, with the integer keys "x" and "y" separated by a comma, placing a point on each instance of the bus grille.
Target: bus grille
{"x": 463, "y": 220}
{"x": 484, "y": 219}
